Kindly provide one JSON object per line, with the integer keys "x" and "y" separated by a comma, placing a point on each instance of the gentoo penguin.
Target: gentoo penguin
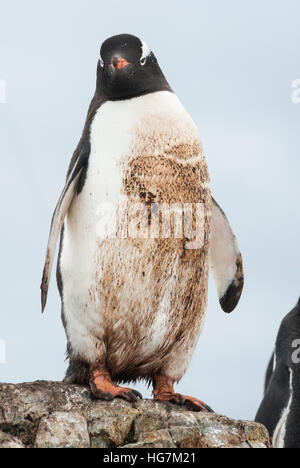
{"x": 134, "y": 295}
{"x": 280, "y": 408}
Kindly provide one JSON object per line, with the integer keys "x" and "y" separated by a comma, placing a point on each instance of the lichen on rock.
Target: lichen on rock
{"x": 53, "y": 414}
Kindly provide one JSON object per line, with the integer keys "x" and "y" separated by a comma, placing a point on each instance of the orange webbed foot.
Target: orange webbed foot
{"x": 103, "y": 388}
{"x": 191, "y": 403}
{"x": 163, "y": 391}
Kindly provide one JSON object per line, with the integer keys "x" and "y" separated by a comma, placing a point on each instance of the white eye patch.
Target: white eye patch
{"x": 145, "y": 53}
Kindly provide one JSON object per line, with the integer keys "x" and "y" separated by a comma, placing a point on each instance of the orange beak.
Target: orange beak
{"x": 119, "y": 62}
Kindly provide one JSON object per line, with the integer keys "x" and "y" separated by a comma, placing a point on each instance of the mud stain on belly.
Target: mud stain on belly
{"x": 152, "y": 292}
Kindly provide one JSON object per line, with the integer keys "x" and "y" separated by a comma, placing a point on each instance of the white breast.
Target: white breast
{"x": 120, "y": 132}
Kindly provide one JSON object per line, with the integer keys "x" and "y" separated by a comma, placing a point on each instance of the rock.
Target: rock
{"x": 254, "y": 433}
{"x": 219, "y": 431}
{"x": 23, "y": 405}
{"x": 110, "y": 423}
{"x": 155, "y": 439}
{"x": 9, "y": 441}
{"x": 187, "y": 437}
{"x": 52, "y": 414}
{"x": 152, "y": 417}
{"x": 63, "y": 430}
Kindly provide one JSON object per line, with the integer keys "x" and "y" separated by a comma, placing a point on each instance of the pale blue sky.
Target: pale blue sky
{"x": 232, "y": 65}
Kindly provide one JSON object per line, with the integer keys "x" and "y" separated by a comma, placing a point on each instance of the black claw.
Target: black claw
{"x": 99, "y": 394}
{"x": 137, "y": 394}
{"x": 192, "y": 406}
{"x": 102, "y": 395}
{"x": 108, "y": 396}
{"x": 208, "y": 408}
{"x": 181, "y": 399}
{"x": 132, "y": 397}
{"x": 128, "y": 396}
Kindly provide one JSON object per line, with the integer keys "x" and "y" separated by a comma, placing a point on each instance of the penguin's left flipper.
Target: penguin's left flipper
{"x": 58, "y": 217}
{"x": 225, "y": 260}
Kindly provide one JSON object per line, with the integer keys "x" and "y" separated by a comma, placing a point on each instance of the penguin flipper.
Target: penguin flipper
{"x": 58, "y": 217}
{"x": 225, "y": 260}
{"x": 270, "y": 371}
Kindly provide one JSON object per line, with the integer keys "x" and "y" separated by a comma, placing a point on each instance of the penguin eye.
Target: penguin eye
{"x": 101, "y": 62}
{"x": 143, "y": 61}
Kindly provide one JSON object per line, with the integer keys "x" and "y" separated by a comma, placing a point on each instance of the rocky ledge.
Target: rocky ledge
{"x": 52, "y": 414}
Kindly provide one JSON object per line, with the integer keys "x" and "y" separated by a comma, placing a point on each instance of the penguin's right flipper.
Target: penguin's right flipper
{"x": 59, "y": 214}
{"x": 225, "y": 260}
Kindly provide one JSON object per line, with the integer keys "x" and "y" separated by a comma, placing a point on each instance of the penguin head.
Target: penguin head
{"x": 128, "y": 68}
